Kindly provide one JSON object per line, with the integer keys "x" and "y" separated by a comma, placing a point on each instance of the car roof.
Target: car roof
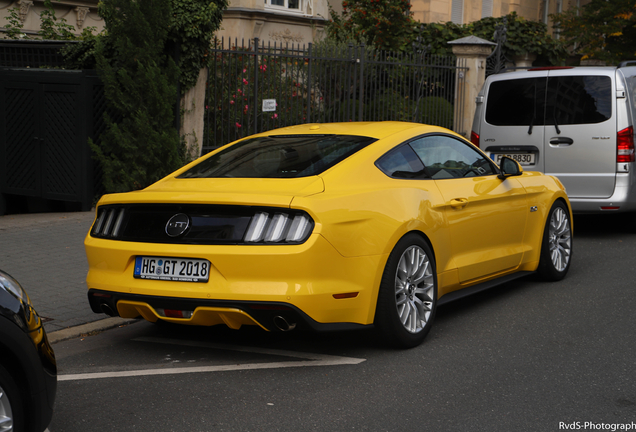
{"x": 378, "y": 130}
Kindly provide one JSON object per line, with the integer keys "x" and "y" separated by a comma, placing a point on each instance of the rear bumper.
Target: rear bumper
{"x": 623, "y": 199}
{"x": 307, "y": 281}
{"x": 234, "y": 314}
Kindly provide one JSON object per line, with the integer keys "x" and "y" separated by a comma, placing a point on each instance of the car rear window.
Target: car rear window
{"x": 279, "y": 156}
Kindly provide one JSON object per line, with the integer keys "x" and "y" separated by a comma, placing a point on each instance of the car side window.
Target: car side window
{"x": 447, "y": 157}
{"x": 402, "y": 162}
{"x": 579, "y": 100}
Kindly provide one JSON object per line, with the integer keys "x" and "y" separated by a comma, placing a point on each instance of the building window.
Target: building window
{"x": 457, "y": 12}
{"x": 287, "y": 5}
{"x": 486, "y": 8}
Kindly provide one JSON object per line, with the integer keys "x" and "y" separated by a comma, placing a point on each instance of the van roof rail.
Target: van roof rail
{"x": 626, "y": 63}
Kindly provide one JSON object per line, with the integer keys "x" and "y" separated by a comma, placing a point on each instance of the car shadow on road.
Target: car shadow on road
{"x": 335, "y": 342}
{"x": 604, "y": 225}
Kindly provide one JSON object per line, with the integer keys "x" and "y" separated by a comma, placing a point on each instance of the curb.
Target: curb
{"x": 85, "y": 329}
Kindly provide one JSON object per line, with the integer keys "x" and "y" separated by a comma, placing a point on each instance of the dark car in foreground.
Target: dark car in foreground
{"x": 28, "y": 371}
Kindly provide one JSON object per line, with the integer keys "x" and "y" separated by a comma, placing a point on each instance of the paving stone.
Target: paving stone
{"x": 45, "y": 253}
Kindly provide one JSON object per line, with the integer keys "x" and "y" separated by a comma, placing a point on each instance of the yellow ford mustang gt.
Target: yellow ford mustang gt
{"x": 326, "y": 227}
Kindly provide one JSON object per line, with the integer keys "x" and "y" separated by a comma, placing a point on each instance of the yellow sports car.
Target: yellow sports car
{"x": 326, "y": 227}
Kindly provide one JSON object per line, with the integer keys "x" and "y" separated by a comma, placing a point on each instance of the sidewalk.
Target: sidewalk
{"x": 45, "y": 253}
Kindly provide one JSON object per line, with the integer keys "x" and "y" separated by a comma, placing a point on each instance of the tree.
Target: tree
{"x": 389, "y": 25}
{"x": 601, "y": 30}
{"x": 14, "y": 26}
{"x": 385, "y": 24}
{"x": 521, "y": 36}
{"x": 53, "y": 29}
{"x": 192, "y": 27}
{"x": 137, "y": 58}
{"x": 140, "y": 80}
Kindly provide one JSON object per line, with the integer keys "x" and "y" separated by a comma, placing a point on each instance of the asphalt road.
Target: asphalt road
{"x": 525, "y": 356}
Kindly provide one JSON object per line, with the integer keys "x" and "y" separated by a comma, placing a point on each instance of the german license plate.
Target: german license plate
{"x": 522, "y": 158}
{"x": 172, "y": 269}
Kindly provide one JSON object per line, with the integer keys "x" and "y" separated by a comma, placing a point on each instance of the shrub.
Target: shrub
{"x": 140, "y": 85}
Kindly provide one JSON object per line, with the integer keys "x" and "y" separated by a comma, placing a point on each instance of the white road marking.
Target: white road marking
{"x": 310, "y": 360}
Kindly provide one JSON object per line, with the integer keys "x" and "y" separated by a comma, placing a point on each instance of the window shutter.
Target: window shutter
{"x": 486, "y": 8}
{"x": 457, "y": 12}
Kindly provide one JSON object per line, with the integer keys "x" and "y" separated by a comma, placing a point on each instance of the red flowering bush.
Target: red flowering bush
{"x": 237, "y": 85}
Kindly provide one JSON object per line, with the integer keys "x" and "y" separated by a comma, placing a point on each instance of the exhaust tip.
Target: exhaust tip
{"x": 107, "y": 309}
{"x": 282, "y": 324}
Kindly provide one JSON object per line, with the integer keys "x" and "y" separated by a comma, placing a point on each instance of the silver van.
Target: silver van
{"x": 576, "y": 123}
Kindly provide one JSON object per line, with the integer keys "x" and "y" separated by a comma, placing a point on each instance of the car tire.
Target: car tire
{"x": 11, "y": 404}
{"x": 556, "y": 247}
{"x": 408, "y": 293}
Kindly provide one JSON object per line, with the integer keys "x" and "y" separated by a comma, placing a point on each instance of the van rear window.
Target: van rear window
{"x": 516, "y": 102}
{"x": 570, "y": 100}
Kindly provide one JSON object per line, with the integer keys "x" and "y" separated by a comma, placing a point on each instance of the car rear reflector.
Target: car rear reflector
{"x": 174, "y": 313}
{"x": 625, "y": 145}
{"x": 345, "y": 295}
{"x": 610, "y": 208}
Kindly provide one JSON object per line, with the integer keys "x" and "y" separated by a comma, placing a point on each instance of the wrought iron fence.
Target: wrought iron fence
{"x": 31, "y": 53}
{"x": 256, "y": 87}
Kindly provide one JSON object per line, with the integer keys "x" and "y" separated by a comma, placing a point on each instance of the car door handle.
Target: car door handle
{"x": 561, "y": 140}
{"x": 459, "y": 203}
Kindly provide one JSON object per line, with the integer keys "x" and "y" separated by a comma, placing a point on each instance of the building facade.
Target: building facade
{"x": 279, "y": 21}
{"x": 275, "y": 21}
{"x": 466, "y": 11}
{"x": 78, "y": 13}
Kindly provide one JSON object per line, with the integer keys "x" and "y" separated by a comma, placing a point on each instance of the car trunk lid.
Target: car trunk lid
{"x": 277, "y": 192}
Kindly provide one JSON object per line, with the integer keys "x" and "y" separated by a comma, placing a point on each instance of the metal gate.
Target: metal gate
{"x": 255, "y": 87}
{"x": 46, "y": 118}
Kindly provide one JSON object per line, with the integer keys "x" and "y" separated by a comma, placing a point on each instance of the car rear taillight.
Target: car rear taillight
{"x": 474, "y": 138}
{"x": 108, "y": 223}
{"x": 625, "y": 145}
{"x": 279, "y": 227}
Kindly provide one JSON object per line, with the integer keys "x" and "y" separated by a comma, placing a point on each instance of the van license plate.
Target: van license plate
{"x": 522, "y": 158}
{"x": 172, "y": 269}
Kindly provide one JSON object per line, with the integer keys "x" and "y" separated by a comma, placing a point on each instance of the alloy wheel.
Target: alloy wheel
{"x": 414, "y": 289}
{"x": 6, "y": 415}
{"x": 560, "y": 239}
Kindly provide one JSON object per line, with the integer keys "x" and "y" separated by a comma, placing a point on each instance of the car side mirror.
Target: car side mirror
{"x": 509, "y": 168}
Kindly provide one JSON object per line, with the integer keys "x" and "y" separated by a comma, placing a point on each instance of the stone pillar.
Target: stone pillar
{"x": 524, "y": 60}
{"x": 193, "y": 111}
{"x": 471, "y": 52}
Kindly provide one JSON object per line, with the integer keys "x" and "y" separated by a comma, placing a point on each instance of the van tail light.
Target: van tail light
{"x": 474, "y": 138}
{"x": 625, "y": 145}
